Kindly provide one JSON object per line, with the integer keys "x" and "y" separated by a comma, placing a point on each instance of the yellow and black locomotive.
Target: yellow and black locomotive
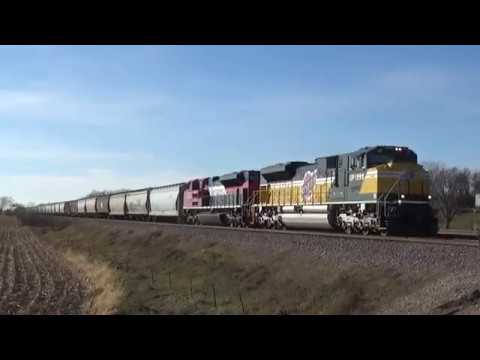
{"x": 380, "y": 189}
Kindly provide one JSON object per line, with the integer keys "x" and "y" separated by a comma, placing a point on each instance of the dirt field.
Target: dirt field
{"x": 33, "y": 278}
{"x": 159, "y": 269}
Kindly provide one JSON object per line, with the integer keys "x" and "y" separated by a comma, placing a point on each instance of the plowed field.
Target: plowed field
{"x": 34, "y": 279}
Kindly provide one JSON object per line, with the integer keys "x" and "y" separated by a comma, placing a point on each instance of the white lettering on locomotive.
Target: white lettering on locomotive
{"x": 357, "y": 177}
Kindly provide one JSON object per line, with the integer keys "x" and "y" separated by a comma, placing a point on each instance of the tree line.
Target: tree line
{"x": 8, "y": 205}
{"x": 453, "y": 189}
{"x": 105, "y": 192}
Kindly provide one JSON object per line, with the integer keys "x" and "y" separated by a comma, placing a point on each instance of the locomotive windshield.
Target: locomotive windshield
{"x": 383, "y": 155}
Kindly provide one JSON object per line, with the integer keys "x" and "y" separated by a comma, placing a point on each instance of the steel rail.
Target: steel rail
{"x": 442, "y": 239}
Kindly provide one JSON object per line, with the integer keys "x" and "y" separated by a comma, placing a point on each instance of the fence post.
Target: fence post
{"x": 475, "y": 219}
{"x": 214, "y": 296}
{"x": 476, "y": 231}
{"x": 241, "y": 301}
{"x": 90, "y": 308}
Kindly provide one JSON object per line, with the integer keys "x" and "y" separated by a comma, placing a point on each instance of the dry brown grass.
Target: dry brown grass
{"x": 107, "y": 291}
{"x": 137, "y": 269}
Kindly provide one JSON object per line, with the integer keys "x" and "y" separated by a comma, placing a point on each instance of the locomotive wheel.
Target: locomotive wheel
{"x": 348, "y": 230}
{"x": 366, "y": 231}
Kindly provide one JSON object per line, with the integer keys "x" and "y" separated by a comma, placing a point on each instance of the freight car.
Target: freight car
{"x": 379, "y": 189}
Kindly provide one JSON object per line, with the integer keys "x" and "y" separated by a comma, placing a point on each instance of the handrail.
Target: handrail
{"x": 385, "y": 196}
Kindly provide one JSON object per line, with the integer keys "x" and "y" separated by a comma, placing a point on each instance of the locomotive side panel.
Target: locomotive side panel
{"x": 195, "y": 193}
{"x": 308, "y": 184}
{"x": 233, "y": 190}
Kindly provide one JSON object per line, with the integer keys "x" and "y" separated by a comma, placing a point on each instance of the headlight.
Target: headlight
{"x": 402, "y": 196}
{"x": 429, "y": 197}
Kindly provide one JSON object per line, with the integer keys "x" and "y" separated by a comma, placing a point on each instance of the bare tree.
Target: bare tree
{"x": 451, "y": 189}
{"x": 5, "y": 202}
{"x": 104, "y": 192}
{"x": 95, "y": 192}
{"x": 476, "y": 182}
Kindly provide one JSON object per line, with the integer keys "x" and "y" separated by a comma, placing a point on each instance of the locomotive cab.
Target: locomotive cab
{"x": 401, "y": 189}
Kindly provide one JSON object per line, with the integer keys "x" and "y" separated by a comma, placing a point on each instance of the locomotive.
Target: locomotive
{"x": 379, "y": 189}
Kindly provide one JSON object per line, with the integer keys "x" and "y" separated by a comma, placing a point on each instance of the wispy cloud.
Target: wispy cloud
{"x": 55, "y": 106}
{"x": 22, "y": 100}
{"x": 383, "y": 90}
{"x": 395, "y": 88}
{"x": 415, "y": 81}
{"x": 389, "y": 91}
{"x": 15, "y": 152}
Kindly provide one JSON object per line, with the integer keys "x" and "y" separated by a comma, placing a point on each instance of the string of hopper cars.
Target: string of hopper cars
{"x": 375, "y": 190}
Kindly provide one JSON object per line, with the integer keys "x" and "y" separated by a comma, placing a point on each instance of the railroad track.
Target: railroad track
{"x": 444, "y": 238}
{"x": 458, "y": 234}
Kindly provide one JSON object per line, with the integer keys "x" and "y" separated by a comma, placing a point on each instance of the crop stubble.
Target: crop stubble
{"x": 33, "y": 278}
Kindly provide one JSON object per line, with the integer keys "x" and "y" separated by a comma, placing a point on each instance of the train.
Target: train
{"x": 374, "y": 190}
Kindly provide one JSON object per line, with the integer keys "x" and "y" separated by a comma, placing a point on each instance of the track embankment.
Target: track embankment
{"x": 144, "y": 268}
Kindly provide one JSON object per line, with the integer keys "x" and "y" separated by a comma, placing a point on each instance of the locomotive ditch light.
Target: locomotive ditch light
{"x": 429, "y": 197}
{"x": 402, "y": 196}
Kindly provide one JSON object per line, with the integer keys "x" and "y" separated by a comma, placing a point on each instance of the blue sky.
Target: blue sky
{"x": 77, "y": 118}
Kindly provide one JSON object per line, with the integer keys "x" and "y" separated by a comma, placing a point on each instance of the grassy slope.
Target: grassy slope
{"x": 465, "y": 221}
{"x": 140, "y": 270}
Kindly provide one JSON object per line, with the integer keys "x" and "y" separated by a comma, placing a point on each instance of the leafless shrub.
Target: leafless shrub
{"x": 451, "y": 188}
